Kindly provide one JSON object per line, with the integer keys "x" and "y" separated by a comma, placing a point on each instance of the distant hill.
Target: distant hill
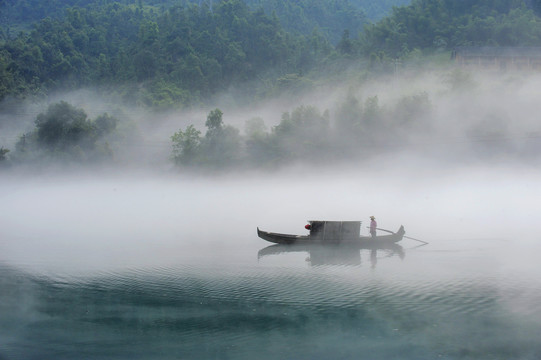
{"x": 329, "y": 17}
{"x": 375, "y": 10}
{"x": 158, "y": 57}
{"x": 159, "y": 54}
{"x": 445, "y": 24}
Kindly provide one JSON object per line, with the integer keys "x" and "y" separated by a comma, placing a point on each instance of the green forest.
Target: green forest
{"x": 163, "y": 55}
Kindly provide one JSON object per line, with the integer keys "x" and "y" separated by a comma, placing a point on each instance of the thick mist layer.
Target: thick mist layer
{"x": 465, "y": 168}
{"x": 114, "y": 221}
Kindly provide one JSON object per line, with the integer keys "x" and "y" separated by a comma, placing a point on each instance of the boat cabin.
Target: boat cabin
{"x": 334, "y": 231}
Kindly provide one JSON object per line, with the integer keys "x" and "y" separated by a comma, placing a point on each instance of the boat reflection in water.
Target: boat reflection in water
{"x": 322, "y": 254}
{"x": 334, "y": 243}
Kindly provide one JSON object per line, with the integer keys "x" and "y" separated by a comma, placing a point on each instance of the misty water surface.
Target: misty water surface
{"x": 147, "y": 266}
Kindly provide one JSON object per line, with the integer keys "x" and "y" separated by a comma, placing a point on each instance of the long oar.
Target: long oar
{"x": 407, "y": 237}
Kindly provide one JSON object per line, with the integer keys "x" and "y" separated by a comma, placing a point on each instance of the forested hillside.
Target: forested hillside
{"x": 329, "y": 17}
{"x": 163, "y": 55}
{"x": 179, "y": 55}
{"x": 375, "y": 10}
{"x": 307, "y": 13}
{"x": 157, "y": 54}
{"x": 445, "y": 24}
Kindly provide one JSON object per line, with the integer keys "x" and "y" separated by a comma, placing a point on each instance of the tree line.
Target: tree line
{"x": 359, "y": 127}
{"x": 64, "y": 134}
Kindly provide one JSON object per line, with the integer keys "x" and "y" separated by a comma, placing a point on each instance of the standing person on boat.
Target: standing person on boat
{"x": 373, "y": 226}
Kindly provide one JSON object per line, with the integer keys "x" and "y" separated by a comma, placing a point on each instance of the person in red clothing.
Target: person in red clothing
{"x": 373, "y": 226}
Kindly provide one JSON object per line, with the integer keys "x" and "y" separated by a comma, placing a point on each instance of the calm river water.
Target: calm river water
{"x": 127, "y": 275}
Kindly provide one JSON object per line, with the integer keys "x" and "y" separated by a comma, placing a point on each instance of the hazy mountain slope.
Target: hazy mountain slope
{"x": 330, "y": 17}
{"x": 377, "y": 9}
{"x": 445, "y": 24}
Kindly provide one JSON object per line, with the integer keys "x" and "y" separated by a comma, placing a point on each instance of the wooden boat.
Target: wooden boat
{"x": 332, "y": 232}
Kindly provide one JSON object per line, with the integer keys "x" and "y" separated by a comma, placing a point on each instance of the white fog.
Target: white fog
{"x": 111, "y": 221}
{"x": 144, "y": 212}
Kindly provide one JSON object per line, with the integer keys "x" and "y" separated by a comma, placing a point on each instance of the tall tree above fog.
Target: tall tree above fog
{"x": 65, "y": 133}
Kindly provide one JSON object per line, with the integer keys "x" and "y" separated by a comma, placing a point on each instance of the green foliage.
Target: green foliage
{"x": 375, "y": 10}
{"x": 174, "y": 53}
{"x": 186, "y": 146}
{"x": 329, "y": 17}
{"x": 345, "y": 46}
{"x": 445, "y": 24}
{"x": 221, "y": 143}
{"x": 62, "y": 126}
{"x": 301, "y": 17}
{"x": 413, "y": 111}
{"x": 179, "y": 55}
{"x": 220, "y": 147}
{"x": 214, "y": 123}
{"x": 105, "y": 124}
{"x": 255, "y": 127}
{"x": 357, "y": 124}
{"x": 65, "y": 133}
{"x": 7, "y": 80}
{"x": 3, "y": 152}
{"x": 305, "y": 134}
{"x": 292, "y": 83}
{"x": 161, "y": 95}
{"x": 300, "y": 133}
{"x": 260, "y": 148}
{"x": 349, "y": 117}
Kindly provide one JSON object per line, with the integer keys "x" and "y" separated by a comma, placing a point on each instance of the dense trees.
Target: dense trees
{"x": 375, "y": 10}
{"x": 65, "y": 133}
{"x": 444, "y": 24}
{"x": 3, "y": 153}
{"x": 180, "y": 55}
{"x": 302, "y": 17}
{"x": 329, "y": 17}
{"x": 220, "y": 147}
{"x": 303, "y": 135}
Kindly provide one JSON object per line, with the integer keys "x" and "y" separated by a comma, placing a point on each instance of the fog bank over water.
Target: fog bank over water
{"x": 111, "y": 221}
{"x": 467, "y": 169}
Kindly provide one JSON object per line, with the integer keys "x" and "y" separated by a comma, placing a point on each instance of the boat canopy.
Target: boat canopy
{"x": 334, "y": 231}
